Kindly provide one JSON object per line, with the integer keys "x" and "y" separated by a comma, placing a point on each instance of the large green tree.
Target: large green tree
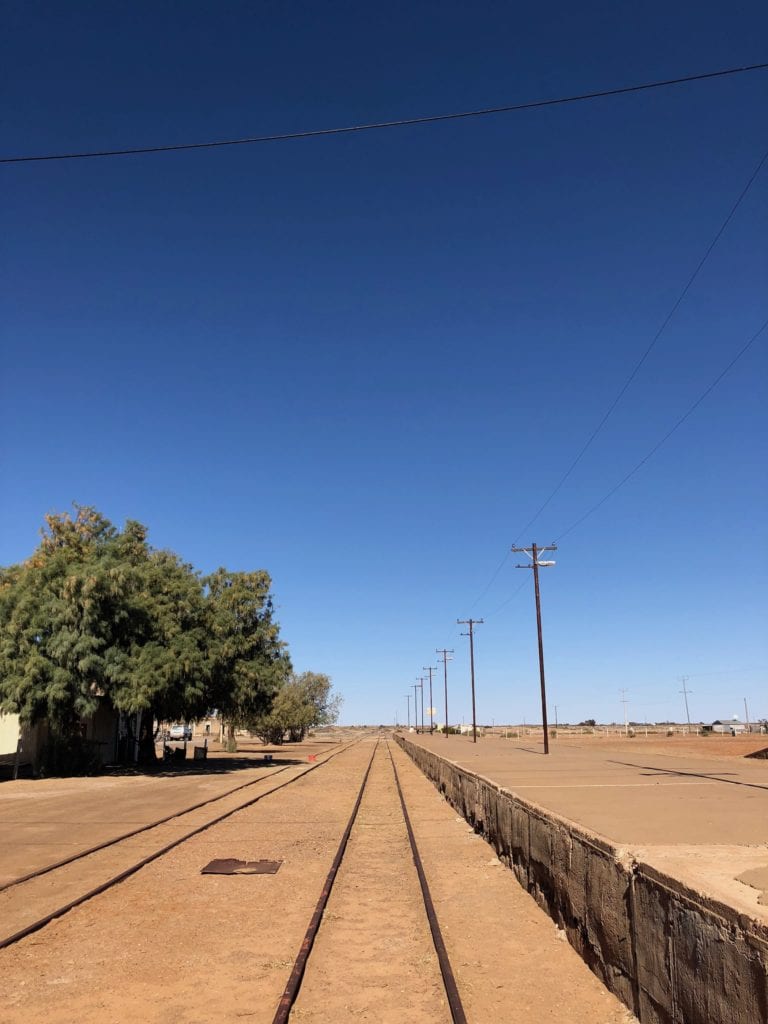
{"x": 304, "y": 702}
{"x": 248, "y": 660}
{"x": 62, "y": 614}
{"x": 97, "y": 614}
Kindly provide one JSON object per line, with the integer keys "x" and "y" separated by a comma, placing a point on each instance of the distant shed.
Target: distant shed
{"x": 729, "y": 726}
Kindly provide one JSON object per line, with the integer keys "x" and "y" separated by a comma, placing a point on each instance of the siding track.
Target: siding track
{"x": 33, "y": 888}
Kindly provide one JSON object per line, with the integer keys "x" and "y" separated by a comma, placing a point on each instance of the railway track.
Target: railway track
{"x": 303, "y": 962}
{"x": 346, "y": 929}
{"x": 37, "y": 896}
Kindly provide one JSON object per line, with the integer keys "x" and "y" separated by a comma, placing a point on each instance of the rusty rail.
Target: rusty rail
{"x": 291, "y": 992}
{"x": 116, "y": 879}
{"x": 451, "y": 988}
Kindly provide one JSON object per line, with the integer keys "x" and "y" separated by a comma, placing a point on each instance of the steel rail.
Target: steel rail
{"x": 458, "y": 1015}
{"x": 134, "y": 832}
{"x": 293, "y": 984}
{"x": 143, "y": 828}
{"x": 116, "y": 879}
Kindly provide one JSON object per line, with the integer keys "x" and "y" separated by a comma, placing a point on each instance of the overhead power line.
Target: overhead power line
{"x": 742, "y": 351}
{"x": 491, "y": 581}
{"x": 651, "y": 346}
{"x": 707, "y": 252}
{"x": 511, "y": 597}
{"x": 377, "y": 125}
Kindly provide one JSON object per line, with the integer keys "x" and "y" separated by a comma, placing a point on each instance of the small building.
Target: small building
{"x": 21, "y": 746}
{"x": 726, "y": 726}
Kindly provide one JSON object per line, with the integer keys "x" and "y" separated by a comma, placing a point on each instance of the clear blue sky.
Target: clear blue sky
{"x": 363, "y": 362}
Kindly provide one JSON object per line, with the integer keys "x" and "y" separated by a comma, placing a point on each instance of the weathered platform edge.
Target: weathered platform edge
{"x": 672, "y": 955}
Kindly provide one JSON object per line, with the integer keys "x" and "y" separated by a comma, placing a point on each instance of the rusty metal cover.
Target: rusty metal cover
{"x": 230, "y": 866}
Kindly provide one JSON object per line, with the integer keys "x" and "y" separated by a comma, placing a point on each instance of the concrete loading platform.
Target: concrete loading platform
{"x": 655, "y": 865}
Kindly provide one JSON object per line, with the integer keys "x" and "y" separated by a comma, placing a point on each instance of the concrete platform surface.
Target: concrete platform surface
{"x": 702, "y": 819}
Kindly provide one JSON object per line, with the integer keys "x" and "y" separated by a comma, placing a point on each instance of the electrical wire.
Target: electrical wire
{"x": 378, "y": 125}
{"x": 515, "y": 592}
{"x": 491, "y": 581}
{"x": 651, "y": 346}
{"x": 636, "y": 368}
{"x": 742, "y": 351}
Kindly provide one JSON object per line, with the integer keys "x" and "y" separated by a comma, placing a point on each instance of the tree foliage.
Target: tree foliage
{"x": 304, "y": 702}
{"x": 98, "y": 614}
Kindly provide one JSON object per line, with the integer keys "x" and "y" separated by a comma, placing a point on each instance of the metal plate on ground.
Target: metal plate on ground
{"x": 231, "y": 866}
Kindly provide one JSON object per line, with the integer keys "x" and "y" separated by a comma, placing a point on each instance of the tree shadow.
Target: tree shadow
{"x": 218, "y": 764}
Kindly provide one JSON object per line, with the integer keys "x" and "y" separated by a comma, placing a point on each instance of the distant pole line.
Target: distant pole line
{"x": 408, "y": 696}
{"x": 471, "y": 634}
{"x": 378, "y": 125}
{"x": 533, "y": 552}
{"x": 430, "y": 669}
{"x": 685, "y": 691}
{"x": 445, "y": 659}
{"x": 624, "y": 701}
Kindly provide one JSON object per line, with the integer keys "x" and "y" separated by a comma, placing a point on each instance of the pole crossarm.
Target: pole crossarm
{"x": 533, "y": 553}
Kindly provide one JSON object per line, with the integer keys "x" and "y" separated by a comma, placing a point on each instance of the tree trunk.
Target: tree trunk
{"x": 147, "y": 738}
{"x": 231, "y": 740}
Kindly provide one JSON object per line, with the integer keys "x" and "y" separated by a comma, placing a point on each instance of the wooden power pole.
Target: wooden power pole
{"x": 471, "y": 623}
{"x": 445, "y": 659}
{"x": 533, "y": 553}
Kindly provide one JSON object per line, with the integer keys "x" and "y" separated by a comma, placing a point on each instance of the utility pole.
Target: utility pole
{"x": 408, "y": 696}
{"x": 430, "y": 669}
{"x": 555, "y": 717}
{"x": 445, "y": 659}
{"x": 533, "y": 553}
{"x": 471, "y": 623}
{"x": 415, "y": 708}
{"x": 624, "y": 701}
{"x": 421, "y": 687}
{"x": 685, "y": 692}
